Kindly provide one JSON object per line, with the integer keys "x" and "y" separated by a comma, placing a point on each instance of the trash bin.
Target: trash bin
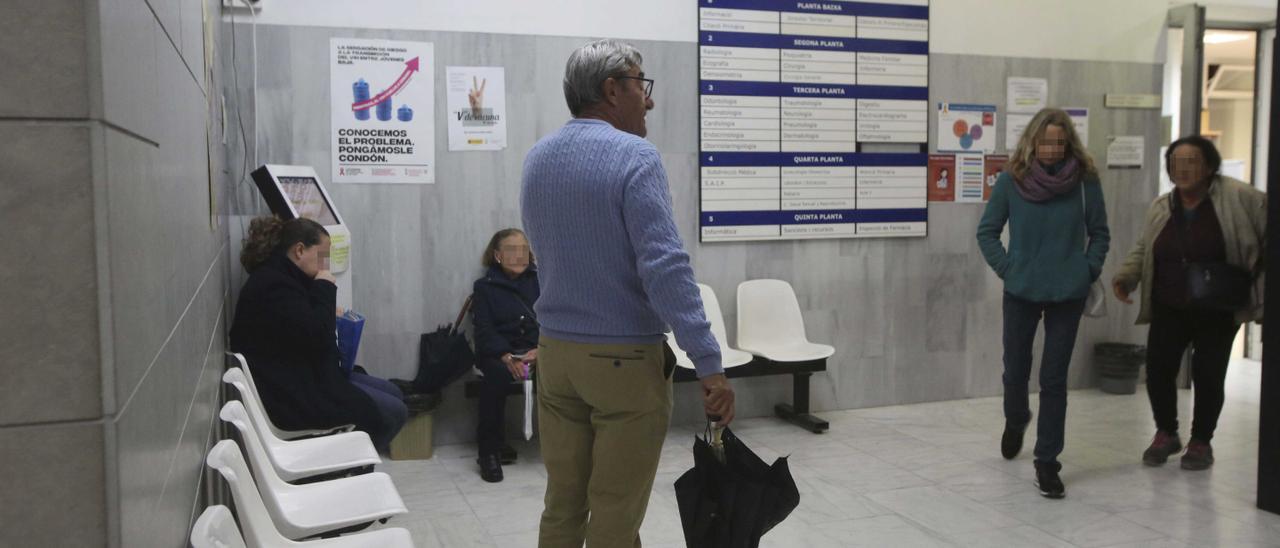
{"x": 1118, "y": 365}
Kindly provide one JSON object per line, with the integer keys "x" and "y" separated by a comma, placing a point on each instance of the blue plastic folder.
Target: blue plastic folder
{"x": 350, "y": 326}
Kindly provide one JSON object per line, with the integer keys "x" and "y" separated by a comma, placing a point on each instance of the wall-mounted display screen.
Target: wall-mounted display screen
{"x": 305, "y": 196}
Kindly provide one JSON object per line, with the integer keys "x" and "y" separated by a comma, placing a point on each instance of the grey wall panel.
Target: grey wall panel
{"x": 53, "y": 485}
{"x": 162, "y": 431}
{"x": 160, "y": 239}
{"x": 51, "y": 405}
{"x": 47, "y": 43}
{"x": 169, "y": 14}
{"x": 128, "y": 59}
{"x": 177, "y": 501}
{"x": 912, "y": 319}
{"x": 168, "y": 264}
{"x": 46, "y": 210}
{"x": 142, "y": 315}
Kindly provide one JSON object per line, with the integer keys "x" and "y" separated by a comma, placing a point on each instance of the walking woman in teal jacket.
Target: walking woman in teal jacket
{"x": 1050, "y": 197}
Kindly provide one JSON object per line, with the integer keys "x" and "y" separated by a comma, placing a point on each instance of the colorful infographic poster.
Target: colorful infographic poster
{"x": 993, "y": 164}
{"x": 966, "y": 128}
{"x": 971, "y": 174}
{"x": 942, "y": 178}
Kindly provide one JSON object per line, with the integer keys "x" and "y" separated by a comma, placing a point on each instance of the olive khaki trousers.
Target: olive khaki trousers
{"x": 603, "y": 415}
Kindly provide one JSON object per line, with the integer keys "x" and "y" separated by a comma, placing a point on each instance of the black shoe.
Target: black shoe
{"x": 490, "y": 468}
{"x": 421, "y": 402}
{"x": 507, "y": 454}
{"x": 1011, "y": 441}
{"x": 1048, "y": 482}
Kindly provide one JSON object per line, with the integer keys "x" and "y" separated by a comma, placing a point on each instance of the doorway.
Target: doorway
{"x": 1218, "y": 84}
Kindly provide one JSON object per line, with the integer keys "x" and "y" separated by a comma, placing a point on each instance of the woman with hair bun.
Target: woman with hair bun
{"x": 284, "y": 327}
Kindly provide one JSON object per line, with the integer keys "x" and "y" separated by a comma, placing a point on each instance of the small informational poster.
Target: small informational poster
{"x": 1026, "y": 95}
{"x": 1080, "y": 119}
{"x": 966, "y": 128}
{"x": 992, "y": 165}
{"x": 942, "y": 178}
{"x": 477, "y": 108}
{"x": 970, "y": 172}
{"x": 383, "y": 111}
{"x": 1132, "y": 100}
{"x": 1125, "y": 151}
{"x": 1014, "y": 125}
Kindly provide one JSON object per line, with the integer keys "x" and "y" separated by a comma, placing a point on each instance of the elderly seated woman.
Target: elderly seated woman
{"x": 284, "y": 327}
{"x": 506, "y": 337}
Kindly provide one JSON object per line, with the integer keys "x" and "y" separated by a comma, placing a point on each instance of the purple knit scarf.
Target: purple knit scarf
{"x": 1041, "y": 186}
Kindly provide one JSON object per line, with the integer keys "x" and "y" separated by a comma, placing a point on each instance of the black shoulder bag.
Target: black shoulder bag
{"x": 1214, "y": 285}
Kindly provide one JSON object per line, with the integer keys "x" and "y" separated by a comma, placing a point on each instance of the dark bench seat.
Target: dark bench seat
{"x": 796, "y": 412}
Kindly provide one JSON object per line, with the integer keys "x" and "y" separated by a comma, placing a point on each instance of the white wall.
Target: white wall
{"x": 1263, "y": 110}
{"x": 667, "y": 20}
{"x": 1234, "y": 118}
{"x": 1089, "y": 30}
{"x": 1240, "y": 11}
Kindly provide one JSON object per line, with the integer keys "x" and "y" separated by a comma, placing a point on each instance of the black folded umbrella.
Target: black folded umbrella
{"x": 443, "y": 355}
{"x": 732, "y": 498}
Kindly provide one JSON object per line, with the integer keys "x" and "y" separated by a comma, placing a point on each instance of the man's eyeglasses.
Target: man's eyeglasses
{"x": 648, "y": 83}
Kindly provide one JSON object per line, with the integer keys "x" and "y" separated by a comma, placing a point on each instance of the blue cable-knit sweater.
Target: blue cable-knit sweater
{"x": 597, "y": 210}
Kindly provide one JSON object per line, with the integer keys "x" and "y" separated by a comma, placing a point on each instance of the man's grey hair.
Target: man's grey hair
{"x": 590, "y": 65}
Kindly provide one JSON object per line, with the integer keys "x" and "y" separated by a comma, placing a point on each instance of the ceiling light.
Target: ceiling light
{"x": 1224, "y": 37}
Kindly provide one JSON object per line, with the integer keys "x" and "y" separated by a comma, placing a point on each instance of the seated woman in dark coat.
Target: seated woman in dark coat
{"x": 284, "y": 326}
{"x": 506, "y": 338}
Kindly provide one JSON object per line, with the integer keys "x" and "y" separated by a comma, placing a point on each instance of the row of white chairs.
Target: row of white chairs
{"x": 770, "y": 325}
{"x": 280, "y": 503}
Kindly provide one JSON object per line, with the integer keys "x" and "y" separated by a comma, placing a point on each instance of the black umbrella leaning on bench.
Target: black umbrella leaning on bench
{"x": 731, "y": 498}
{"x": 443, "y": 356}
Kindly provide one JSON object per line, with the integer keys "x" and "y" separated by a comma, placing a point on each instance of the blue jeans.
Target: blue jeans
{"x": 390, "y": 403}
{"x": 1061, "y": 321}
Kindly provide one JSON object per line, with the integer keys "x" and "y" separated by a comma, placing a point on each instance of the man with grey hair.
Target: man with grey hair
{"x": 614, "y": 275}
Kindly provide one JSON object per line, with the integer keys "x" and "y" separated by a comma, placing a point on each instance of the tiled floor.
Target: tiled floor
{"x": 913, "y": 475}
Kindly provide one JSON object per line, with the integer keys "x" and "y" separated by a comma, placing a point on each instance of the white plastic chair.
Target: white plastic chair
{"x": 300, "y": 459}
{"x": 281, "y": 433}
{"x": 216, "y": 528}
{"x": 770, "y": 323}
{"x": 301, "y": 511}
{"x": 729, "y": 357}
